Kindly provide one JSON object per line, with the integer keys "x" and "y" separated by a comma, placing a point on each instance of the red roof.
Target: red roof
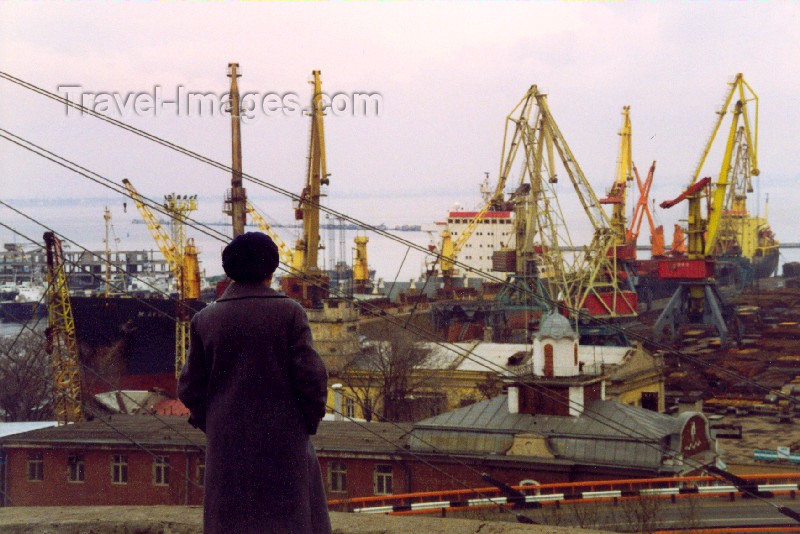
{"x": 487, "y": 215}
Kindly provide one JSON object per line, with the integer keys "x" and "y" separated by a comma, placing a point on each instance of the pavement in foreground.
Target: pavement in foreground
{"x": 188, "y": 519}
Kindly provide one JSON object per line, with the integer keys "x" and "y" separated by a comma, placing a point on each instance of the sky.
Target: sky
{"x": 448, "y": 74}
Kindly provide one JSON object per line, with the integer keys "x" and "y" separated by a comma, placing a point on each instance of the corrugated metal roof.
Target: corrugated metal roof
{"x": 610, "y": 433}
{"x": 463, "y": 442}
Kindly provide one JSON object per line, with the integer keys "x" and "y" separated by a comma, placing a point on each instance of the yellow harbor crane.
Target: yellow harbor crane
{"x": 61, "y": 342}
{"x": 740, "y": 89}
{"x": 181, "y": 255}
{"x": 591, "y": 281}
{"x": 697, "y": 300}
{"x": 308, "y": 286}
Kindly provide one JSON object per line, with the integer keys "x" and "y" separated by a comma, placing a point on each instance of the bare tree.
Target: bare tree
{"x": 26, "y": 392}
{"x": 490, "y": 387}
{"x": 586, "y": 514}
{"x": 392, "y": 377}
{"x": 642, "y": 513}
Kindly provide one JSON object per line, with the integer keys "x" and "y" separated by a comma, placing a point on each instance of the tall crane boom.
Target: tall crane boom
{"x": 624, "y": 174}
{"x": 61, "y": 342}
{"x": 237, "y": 195}
{"x": 316, "y": 176}
{"x": 596, "y": 283}
{"x": 642, "y": 209}
{"x": 515, "y": 130}
{"x": 181, "y": 254}
{"x": 173, "y": 250}
{"x": 307, "y": 283}
{"x": 284, "y": 251}
{"x": 717, "y": 205}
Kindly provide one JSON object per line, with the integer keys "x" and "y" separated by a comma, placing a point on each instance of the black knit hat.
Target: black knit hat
{"x": 250, "y": 257}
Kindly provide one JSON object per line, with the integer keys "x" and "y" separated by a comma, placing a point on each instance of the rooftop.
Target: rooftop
{"x": 614, "y": 433}
{"x": 167, "y": 431}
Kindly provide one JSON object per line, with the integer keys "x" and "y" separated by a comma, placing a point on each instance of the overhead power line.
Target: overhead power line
{"x": 205, "y": 229}
{"x": 291, "y": 195}
{"x": 614, "y": 425}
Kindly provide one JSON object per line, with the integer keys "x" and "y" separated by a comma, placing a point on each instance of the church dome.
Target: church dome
{"x": 555, "y": 326}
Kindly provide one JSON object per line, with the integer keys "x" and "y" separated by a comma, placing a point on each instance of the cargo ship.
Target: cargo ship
{"x": 127, "y": 343}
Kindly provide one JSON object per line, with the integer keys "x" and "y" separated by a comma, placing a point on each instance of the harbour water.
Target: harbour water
{"x": 83, "y": 222}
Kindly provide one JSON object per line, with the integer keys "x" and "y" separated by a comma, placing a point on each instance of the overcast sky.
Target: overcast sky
{"x": 448, "y": 74}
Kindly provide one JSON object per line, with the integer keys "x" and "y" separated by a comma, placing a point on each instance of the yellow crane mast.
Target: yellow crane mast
{"x": 624, "y": 174}
{"x": 697, "y": 299}
{"x": 309, "y": 286}
{"x": 596, "y": 284}
{"x": 316, "y": 176}
{"x": 285, "y": 253}
{"x": 61, "y": 342}
{"x": 181, "y": 255}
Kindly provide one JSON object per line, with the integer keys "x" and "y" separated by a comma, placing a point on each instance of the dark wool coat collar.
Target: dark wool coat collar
{"x": 236, "y": 291}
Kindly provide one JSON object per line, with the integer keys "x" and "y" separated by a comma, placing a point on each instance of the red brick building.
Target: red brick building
{"x": 139, "y": 460}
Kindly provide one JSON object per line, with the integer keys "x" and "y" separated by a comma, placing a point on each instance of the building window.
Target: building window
{"x": 337, "y": 477}
{"x": 75, "y": 471}
{"x": 349, "y": 408}
{"x": 161, "y": 471}
{"x": 383, "y": 479}
{"x": 201, "y": 470}
{"x": 119, "y": 469}
{"x": 649, "y": 400}
{"x": 548, "y": 360}
{"x": 35, "y": 466}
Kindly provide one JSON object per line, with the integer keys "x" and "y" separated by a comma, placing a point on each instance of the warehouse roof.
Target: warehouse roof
{"x": 608, "y": 433}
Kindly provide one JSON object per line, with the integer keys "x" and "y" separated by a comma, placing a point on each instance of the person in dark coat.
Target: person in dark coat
{"x": 255, "y": 385}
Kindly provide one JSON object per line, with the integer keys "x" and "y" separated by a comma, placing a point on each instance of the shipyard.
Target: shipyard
{"x": 552, "y": 268}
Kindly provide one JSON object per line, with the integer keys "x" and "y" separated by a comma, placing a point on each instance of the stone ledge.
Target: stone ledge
{"x": 188, "y": 519}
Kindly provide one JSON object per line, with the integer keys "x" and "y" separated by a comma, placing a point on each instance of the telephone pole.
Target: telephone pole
{"x": 236, "y": 199}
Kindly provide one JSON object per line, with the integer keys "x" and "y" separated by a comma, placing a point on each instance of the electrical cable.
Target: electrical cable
{"x": 379, "y": 231}
{"x": 168, "y": 214}
{"x": 585, "y": 411}
{"x": 176, "y": 147}
{"x": 201, "y": 446}
{"x": 578, "y": 313}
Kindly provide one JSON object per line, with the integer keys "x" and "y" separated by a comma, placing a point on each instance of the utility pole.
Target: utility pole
{"x": 107, "y": 217}
{"x": 236, "y": 201}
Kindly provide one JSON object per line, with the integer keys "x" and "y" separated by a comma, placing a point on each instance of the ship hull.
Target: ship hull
{"x": 127, "y": 343}
{"x": 765, "y": 266}
{"x": 20, "y": 312}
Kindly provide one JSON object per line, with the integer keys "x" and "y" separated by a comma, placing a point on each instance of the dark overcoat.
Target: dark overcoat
{"x": 254, "y": 383}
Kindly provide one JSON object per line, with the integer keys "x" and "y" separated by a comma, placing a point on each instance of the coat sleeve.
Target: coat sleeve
{"x": 193, "y": 381}
{"x": 308, "y": 374}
